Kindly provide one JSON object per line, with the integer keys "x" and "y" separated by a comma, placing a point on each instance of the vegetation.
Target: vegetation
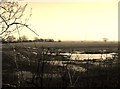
{"x": 39, "y": 64}
{"x": 12, "y": 39}
{"x": 36, "y": 66}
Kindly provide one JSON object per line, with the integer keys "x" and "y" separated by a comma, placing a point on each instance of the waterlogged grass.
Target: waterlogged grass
{"x": 29, "y": 65}
{"x": 68, "y": 46}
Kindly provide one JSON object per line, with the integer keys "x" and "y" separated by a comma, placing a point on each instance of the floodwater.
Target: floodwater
{"x": 90, "y": 56}
{"x": 26, "y": 75}
{"x": 79, "y": 56}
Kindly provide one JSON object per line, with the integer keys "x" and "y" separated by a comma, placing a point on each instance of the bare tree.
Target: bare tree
{"x": 11, "y": 18}
{"x": 105, "y": 39}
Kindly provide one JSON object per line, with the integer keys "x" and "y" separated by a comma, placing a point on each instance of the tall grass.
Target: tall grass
{"x": 43, "y": 67}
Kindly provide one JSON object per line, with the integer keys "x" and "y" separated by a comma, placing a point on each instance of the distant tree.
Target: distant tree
{"x": 23, "y": 38}
{"x": 105, "y": 39}
{"x": 10, "y": 39}
{"x": 36, "y": 39}
{"x": 30, "y": 40}
{"x": 49, "y": 40}
{"x": 41, "y": 40}
{"x": 59, "y": 40}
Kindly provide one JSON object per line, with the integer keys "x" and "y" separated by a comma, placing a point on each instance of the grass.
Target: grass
{"x": 44, "y": 74}
{"x": 70, "y": 45}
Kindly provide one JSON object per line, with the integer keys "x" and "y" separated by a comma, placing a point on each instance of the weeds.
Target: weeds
{"x": 47, "y": 67}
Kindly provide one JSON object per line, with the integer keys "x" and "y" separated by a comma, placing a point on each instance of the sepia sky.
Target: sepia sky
{"x": 73, "y": 19}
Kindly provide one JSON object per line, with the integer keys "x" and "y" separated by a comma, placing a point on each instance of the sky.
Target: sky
{"x": 73, "y": 20}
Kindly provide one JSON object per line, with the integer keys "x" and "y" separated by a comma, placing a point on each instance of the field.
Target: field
{"x": 40, "y": 65}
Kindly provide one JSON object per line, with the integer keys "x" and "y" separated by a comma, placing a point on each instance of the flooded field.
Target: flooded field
{"x": 79, "y": 56}
{"x": 61, "y": 66}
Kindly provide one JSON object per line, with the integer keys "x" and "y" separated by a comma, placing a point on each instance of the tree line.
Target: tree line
{"x": 12, "y": 39}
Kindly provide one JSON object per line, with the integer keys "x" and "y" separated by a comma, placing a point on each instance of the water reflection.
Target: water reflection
{"x": 76, "y": 56}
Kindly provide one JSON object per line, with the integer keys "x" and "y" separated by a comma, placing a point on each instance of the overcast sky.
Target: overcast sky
{"x": 74, "y": 19}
